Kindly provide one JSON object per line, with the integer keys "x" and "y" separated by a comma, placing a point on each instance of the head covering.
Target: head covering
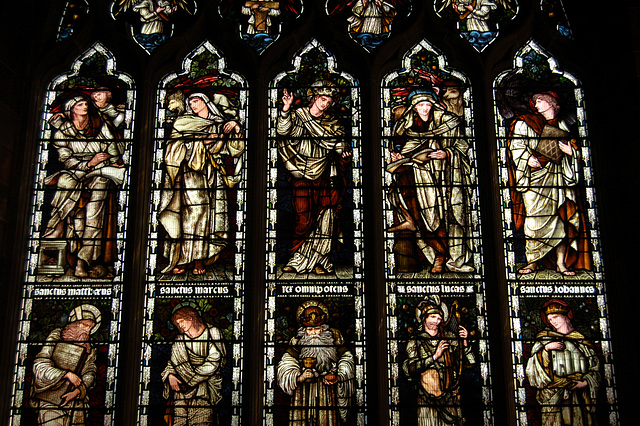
{"x": 555, "y": 306}
{"x": 323, "y": 88}
{"x": 214, "y": 111}
{"x": 71, "y": 102}
{"x": 200, "y": 95}
{"x": 86, "y": 312}
{"x": 431, "y": 305}
{"x": 550, "y": 97}
{"x": 312, "y": 314}
{"x": 421, "y": 95}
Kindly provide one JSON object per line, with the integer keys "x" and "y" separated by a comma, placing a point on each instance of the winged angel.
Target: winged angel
{"x": 155, "y": 18}
{"x": 369, "y": 20}
{"x": 475, "y": 17}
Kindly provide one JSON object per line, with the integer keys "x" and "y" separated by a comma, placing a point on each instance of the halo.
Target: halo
{"x": 77, "y": 314}
{"x": 432, "y": 300}
{"x": 310, "y": 303}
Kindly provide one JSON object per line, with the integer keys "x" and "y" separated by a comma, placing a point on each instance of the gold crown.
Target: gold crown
{"x": 556, "y": 308}
{"x": 312, "y": 316}
{"x": 323, "y": 88}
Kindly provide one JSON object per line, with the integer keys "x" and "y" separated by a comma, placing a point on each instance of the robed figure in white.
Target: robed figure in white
{"x": 194, "y": 200}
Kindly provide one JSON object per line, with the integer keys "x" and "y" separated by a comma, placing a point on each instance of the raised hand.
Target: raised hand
{"x": 287, "y": 100}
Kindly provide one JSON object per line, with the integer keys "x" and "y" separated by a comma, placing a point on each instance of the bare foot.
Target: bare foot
{"x": 178, "y": 270}
{"x": 198, "y": 268}
{"x": 438, "y": 266}
{"x": 320, "y": 270}
{"x": 81, "y": 271}
{"x": 529, "y": 269}
{"x": 289, "y": 269}
{"x": 404, "y": 226}
{"x": 566, "y": 271}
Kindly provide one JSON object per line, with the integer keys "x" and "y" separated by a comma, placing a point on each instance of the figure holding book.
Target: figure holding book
{"x": 431, "y": 189}
{"x": 65, "y": 370}
{"x": 544, "y": 168}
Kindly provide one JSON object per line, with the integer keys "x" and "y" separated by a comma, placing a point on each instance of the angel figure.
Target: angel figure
{"x": 474, "y": 16}
{"x": 369, "y": 20}
{"x": 259, "y": 20}
{"x": 155, "y": 18}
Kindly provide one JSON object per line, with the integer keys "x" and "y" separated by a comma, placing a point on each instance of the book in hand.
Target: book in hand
{"x": 65, "y": 356}
{"x": 549, "y": 143}
{"x": 419, "y": 157}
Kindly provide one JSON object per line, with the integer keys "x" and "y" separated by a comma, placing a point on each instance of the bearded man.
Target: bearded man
{"x": 435, "y": 358}
{"x": 317, "y": 371}
{"x": 65, "y": 370}
{"x": 564, "y": 368}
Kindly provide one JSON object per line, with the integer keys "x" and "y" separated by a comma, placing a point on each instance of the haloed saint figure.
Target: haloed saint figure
{"x": 435, "y": 358}
{"x": 65, "y": 370}
{"x": 564, "y": 368}
{"x": 192, "y": 378}
{"x": 317, "y": 370}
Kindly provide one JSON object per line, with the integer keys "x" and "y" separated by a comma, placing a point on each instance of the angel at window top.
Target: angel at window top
{"x": 155, "y": 18}
{"x": 259, "y": 19}
{"x": 369, "y": 20}
{"x": 477, "y": 19}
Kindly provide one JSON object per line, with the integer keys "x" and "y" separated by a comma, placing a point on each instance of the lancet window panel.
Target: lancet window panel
{"x": 557, "y": 293}
{"x": 68, "y": 340}
{"x": 192, "y": 337}
{"x": 315, "y": 338}
{"x": 437, "y": 337}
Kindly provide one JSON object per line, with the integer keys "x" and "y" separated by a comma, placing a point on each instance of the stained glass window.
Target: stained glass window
{"x": 74, "y": 12}
{"x": 560, "y": 331}
{"x": 69, "y": 329}
{"x": 151, "y": 22}
{"x": 259, "y": 21}
{"x": 438, "y": 351}
{"x": 478, "y": 21}
{"x": 126, "y": 280}
{"x": 555, "y": 13}
{"x": 192, "y": 347}
{"x": 369, "y": 22}
{"x": 314, "y": 352}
